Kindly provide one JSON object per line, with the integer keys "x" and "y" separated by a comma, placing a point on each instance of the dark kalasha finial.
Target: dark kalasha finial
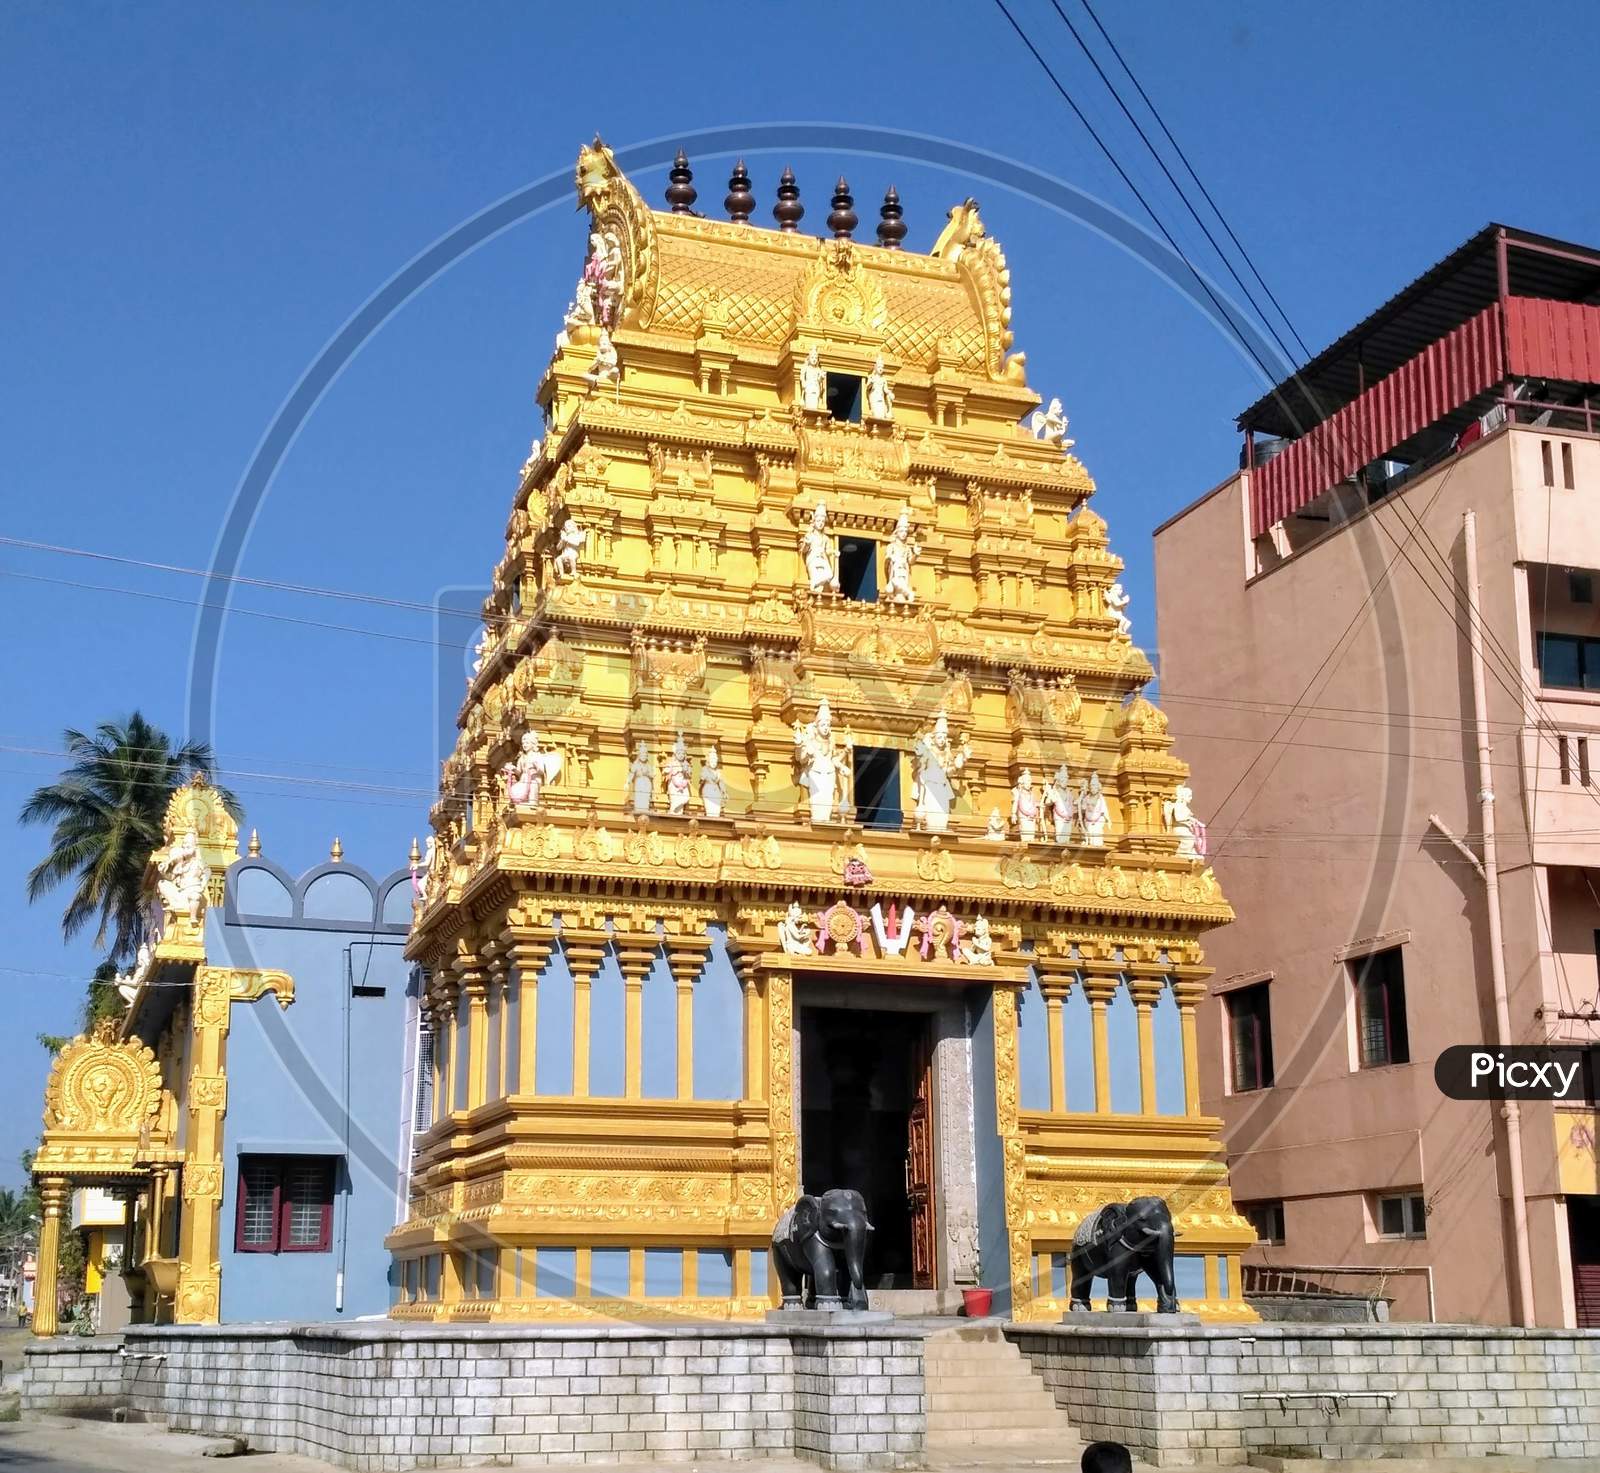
{"x": 891, "y": 222}
{"x": 681, "y": 193}
{"x": 842, "y": 219}
{"x": 788, "y": 211}
{"x": 740, "y": 202}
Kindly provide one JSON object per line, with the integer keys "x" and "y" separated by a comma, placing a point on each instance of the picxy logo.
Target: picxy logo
{"x": 1518, "y": 1072}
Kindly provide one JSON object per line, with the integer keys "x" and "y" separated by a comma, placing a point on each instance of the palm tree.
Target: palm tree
{"x": 107, "y": 807}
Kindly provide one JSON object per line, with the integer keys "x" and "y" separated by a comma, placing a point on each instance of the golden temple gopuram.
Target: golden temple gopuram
{"x": 803, "y": 777}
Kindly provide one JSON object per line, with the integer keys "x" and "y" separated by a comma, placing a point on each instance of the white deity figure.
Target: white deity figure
{"x": 821, "y": 554}
{"x": 677, "y": 776}
{"x": 979, "y": 949}
{"x": 813, "y": 383}
{"x": 899, "y": 553}
{"x": 641, "y": 780}
{"x": 534, "y": 451}
{"x": 602, "y": 271}
{"x": 580, "y": 313}
{"x": 1093, "y": 812}
{"x": 795, "y": 931}
{"x": 527, "y": 776}
{"x": 1117, "y": 602}
{"x": 480, "y": 651}
{"x": 568, "y": 546}
{"x": 183, "y": 877}
{"x": 1025, "y": 807}
{"x": 1177, "y": 817}
{"x": 936, "y": 764}
{"x": 422, "y": 874}
{"x": 1050, "y": 425}
{"x": 713, "y": 785}
{"x": 879, "y": 392}
{"x": 1060, "y": 804}
{"x": 607, "y": 367}
{"x": 819, "y": 765}
{"x": 996, "y": 832}
{"x": 128, "y": 983}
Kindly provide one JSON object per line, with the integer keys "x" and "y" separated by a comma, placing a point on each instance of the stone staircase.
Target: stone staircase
{"x": 983, "y": 1395}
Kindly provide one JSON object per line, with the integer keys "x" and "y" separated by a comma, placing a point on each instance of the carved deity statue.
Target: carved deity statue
{"x": 677, "y": 777}
{"x": 996, "y": 830}
{"x": 480, "y": 651}
{"x": 641, "y": 780}
{"x": 569, "y": 545}
{"x": 978, "y": 949}
{"x": 936, "y": 766}
{"x": 534, "y": 452}
{"x": 1025, "y": 807}
{"x": 879, "y": 392}
{"x": 819, "y": 765}
{"x": 607, "y": 367}
{"x": 602, "y": 272}
{"x": 899, "y": 553}
{"x": 128, "y": 983}
{"x": 1093, "y": 812}
{"x": 527, "y": 776}
{"x": 1177, "y": 817}
{"x": 422, "y": 873}
{"x": 821, "y": 554}
{"x": 713, "y": 785}
{"x": 1050, "y": 425}
{"x": 182, "y": 879}
{"x": 813, "y": 383}
{"x": 1060, "y": 804}
{"x": 795, "y": 932}
{"x": 1117, "y": 602}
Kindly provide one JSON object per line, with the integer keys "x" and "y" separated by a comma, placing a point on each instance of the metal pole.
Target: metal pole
{"x": 1510, "y": 1111}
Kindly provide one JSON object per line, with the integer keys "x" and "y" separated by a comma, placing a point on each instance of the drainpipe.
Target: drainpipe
{"x": 1510, "y": 1110}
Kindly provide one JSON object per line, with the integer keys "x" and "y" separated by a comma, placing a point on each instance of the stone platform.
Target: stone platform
{"x": 379, "y": 1396}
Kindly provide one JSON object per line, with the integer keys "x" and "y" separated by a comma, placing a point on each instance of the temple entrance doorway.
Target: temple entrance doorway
{"x": 866, "y": 1121}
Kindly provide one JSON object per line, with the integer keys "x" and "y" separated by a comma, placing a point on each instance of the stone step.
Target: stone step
{"x": 1043, "y": 1417}
{"x": 983, "y": 1394}
{"x": 1044, "y": 1440}
{"x": 1007, "y": 1399}
{"x": 980, "y": 1370}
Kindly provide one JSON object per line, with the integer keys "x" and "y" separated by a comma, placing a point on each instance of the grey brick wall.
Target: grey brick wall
{"x": 379, "y": 1397}
{"x": 1189, "y": 1395}
{"x": 74, "y": 1375}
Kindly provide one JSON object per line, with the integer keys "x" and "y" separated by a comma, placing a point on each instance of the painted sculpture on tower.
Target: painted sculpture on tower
{"x": 1060, "y": 805}
{"x": 641, "y": 781}
{"x": 607, "y": 367}
{"x": 1050, "y": 425}
{"x": 936, "y": 769}
{"x": 1117, "y": 602}
{"x": 677, "y": 777}
{"x": 901, "y": 551}
{"x": 796, "y": 934}
{"x": 1025, "y": 808}
{"x": 1177, "y": 817}
{"x": 821, "y": 553}
{"x": 527, "y": 777}
{"x": 183, "y": 874}
{"x": 820, "y": 766}
{"x": 978, "y": 949}
{"x": 713, "y": 785}
{"x": 1093, "y": 812}
{"x": 569, "y": 547}
{"x": 813, "y": 383}
{"x": 879, "y": 392}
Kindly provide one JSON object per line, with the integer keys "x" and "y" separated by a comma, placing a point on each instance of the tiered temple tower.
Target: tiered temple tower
{"x": 785, "y": 510}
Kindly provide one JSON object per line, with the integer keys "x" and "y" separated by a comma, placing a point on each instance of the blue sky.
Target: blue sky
{"x": 197, "y": 197}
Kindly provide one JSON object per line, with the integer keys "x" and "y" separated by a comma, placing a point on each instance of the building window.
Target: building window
{"x": 1567, "y": 481}
{"x": 844, "y": 397}
{"x": 1402, "y": 1215}
{"x": 422, "y": 1118}
{"x": 1569, "y": 661}
{"x": 1380, "y": 988}
{"x": 1267, "y": 1219}
{"x": 285, "y": 1204}
{"x": 1250, "y": 1038}
{"x": 858, "y": 569}
{"x": 877, "y": 788}
{"x": 1580, "y": 587}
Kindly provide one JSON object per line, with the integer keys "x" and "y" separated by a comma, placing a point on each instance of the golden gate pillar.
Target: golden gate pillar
{"x": 805, "y": 826}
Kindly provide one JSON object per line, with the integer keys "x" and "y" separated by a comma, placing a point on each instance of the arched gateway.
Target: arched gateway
{"x": 804, "y": 744}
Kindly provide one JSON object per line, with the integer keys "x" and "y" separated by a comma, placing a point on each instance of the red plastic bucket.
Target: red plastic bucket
{"x": 976, "y": 1303}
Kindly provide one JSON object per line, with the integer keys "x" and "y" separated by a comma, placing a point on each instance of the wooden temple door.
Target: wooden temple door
{"x": 919, "y": 1167}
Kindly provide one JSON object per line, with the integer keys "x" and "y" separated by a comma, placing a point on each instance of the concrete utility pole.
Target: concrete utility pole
{"x": 1510, "y": 1110}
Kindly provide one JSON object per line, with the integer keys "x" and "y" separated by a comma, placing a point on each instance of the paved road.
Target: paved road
{"x": 55, "y": 1445}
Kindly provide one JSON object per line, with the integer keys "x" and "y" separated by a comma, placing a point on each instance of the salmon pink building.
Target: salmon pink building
{"x": 1400, "y": 581}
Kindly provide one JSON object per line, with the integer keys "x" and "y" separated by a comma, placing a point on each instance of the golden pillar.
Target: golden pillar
{"x": 585, "y": 951}
{"x": 1188, "y": 987}
{"x": 636, "y": 954}
{"x": 52, "y": 1203}
{"x": 1013, "y": 1149}
{"x": 754, "y": 1085}
{"x": 530, "y": 952}
{"x": 199, "y": 1292}
{"x": 1146, "y": 982}
{"x": 1056, "y": 976}
{"x": 449, "y": 1064}
{"x": 1101, "y": 978}
{"x": 475, "y": 989}
{"x": 780, "y": 1088}
{"x": 686, "y": 955}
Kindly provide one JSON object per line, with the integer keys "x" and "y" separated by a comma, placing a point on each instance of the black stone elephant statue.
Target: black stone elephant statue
{"x": 807, "y": 1244}
{"x": 1118, "y": 1241}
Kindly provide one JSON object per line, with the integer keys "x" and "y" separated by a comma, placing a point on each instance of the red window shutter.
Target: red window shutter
{"x": 256, "y": 1229}
{"x": 305, "y": 1219}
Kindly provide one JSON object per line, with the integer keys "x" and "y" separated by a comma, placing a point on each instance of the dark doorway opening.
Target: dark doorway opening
{"x": 858, "y": 569}
{"x": 844, "y": 397}
{"x": 865, "y": 1099}
{"x": 1583, "y": 1223}
{"x": 877, "y": 788}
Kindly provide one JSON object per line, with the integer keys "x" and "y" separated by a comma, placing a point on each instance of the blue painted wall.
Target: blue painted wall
{"x": 323, "y": 1077}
